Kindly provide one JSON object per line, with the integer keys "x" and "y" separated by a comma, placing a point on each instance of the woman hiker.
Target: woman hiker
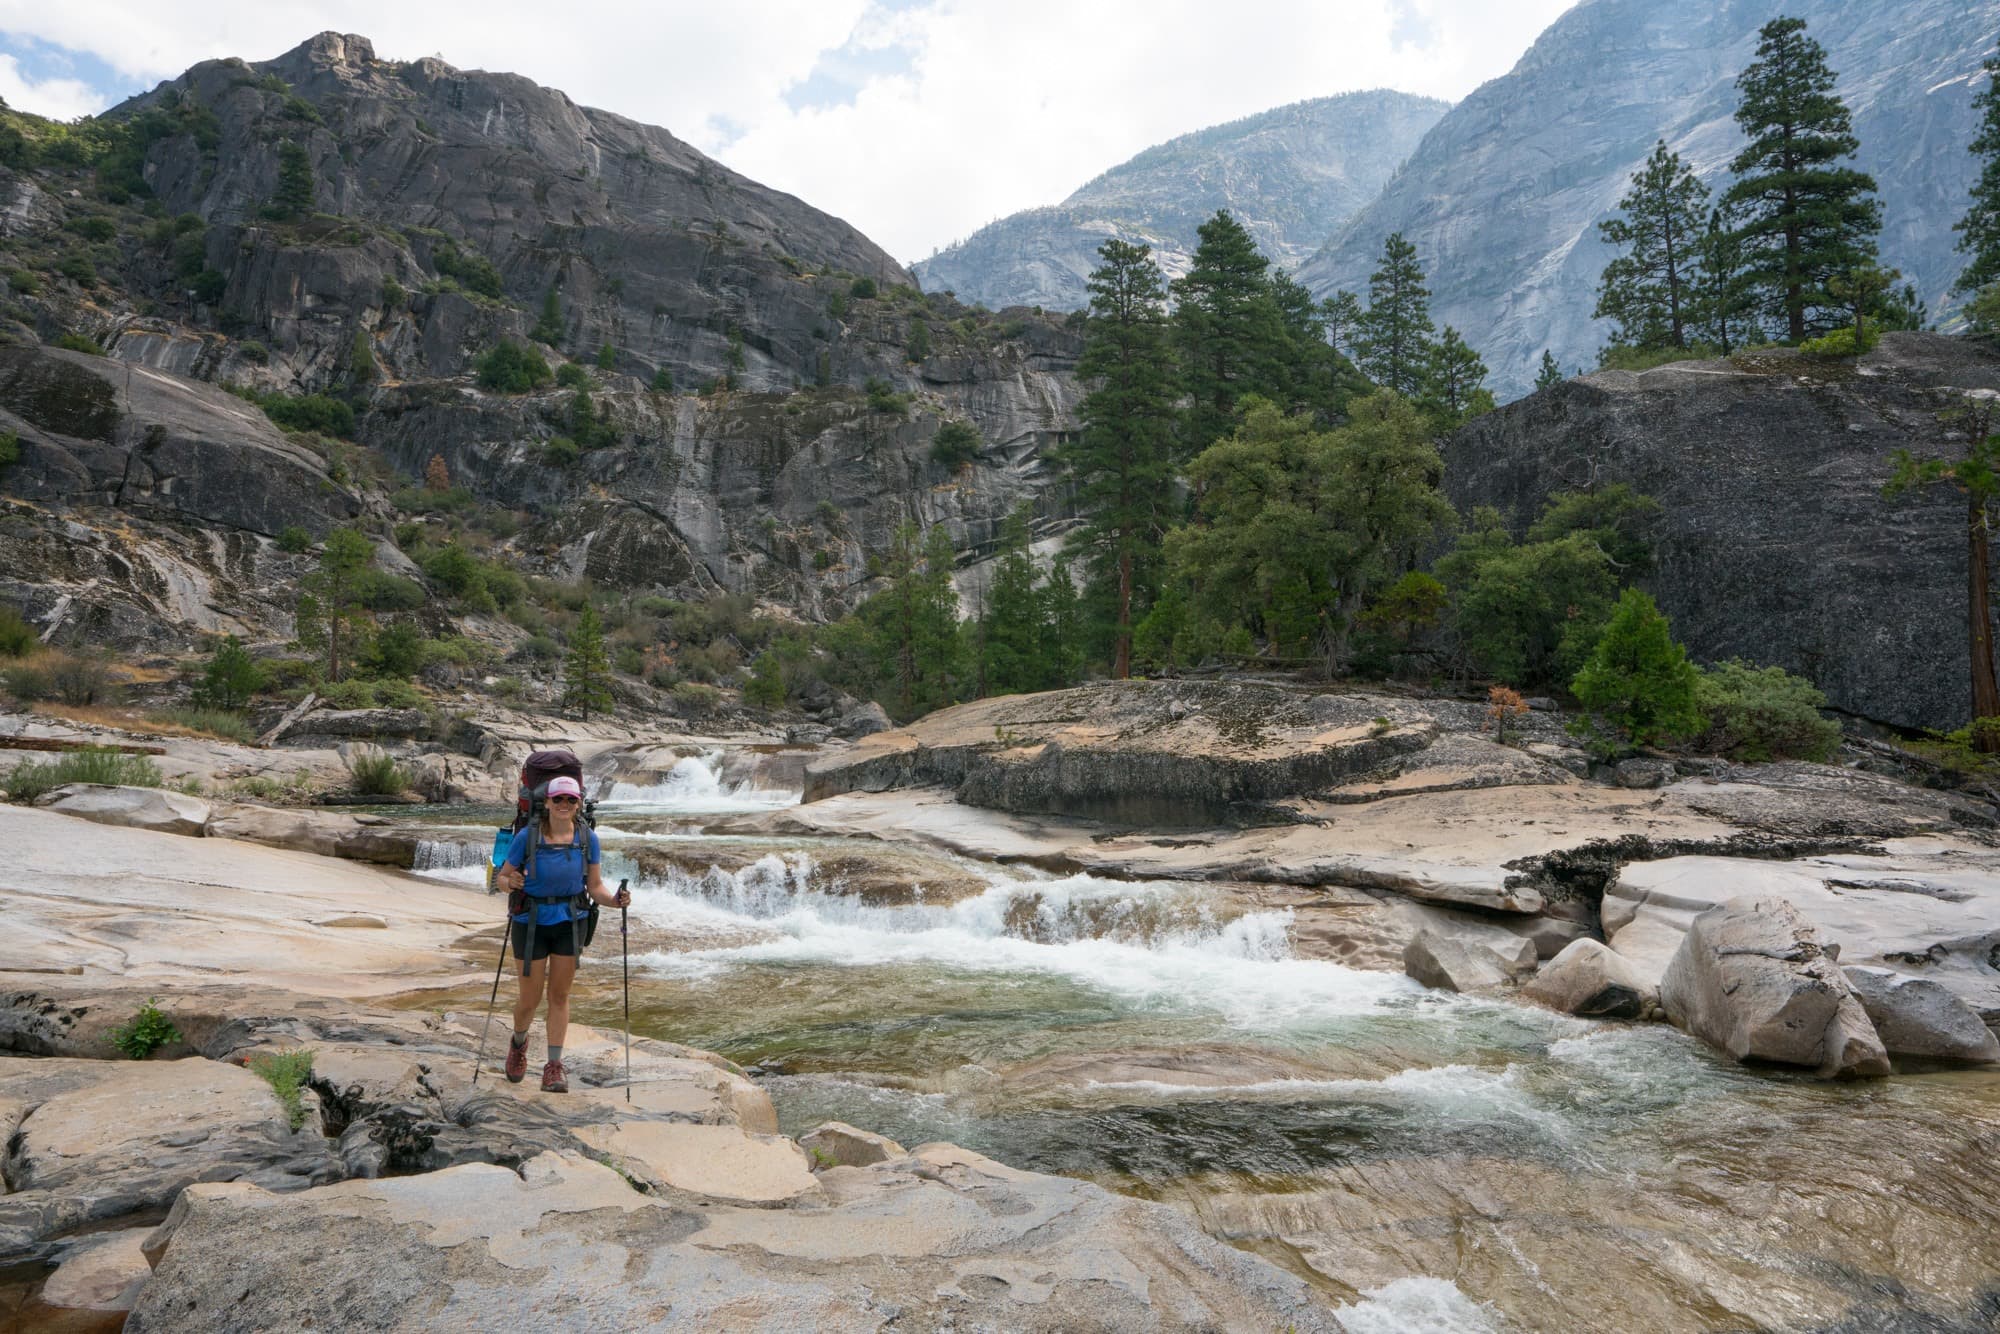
{"x": 556, "y": 875}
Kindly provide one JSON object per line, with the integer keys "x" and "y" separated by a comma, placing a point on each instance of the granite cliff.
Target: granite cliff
{"x": 1291, "y": 175}
{"x": 1503, "y": 196}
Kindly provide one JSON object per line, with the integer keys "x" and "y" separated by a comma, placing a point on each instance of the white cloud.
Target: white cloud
{"x": 1001, "y": 105}
{"x": 60, "y": 99}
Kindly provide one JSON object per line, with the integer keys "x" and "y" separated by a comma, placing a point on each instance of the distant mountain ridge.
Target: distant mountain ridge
{"x": 1503, "y": 196}
{"x": 1291, "y": 175}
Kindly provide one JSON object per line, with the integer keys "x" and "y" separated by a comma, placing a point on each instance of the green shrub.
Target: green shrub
{"x": 696, "y": 700}
{"x": 882, "y": 397}
{"x": 569, "y": 375}
{"x": 561, "y": 452}
{"x": 294, "y": 539}
{"x": 469, "y": 268}
{"x": 92, "y": 228}
{"x": 10, "y": 450}
{"x": 1840, "y": 343}
{"x": 1763, "y": 714}
{"x": 215, "y": 722}
{"x": 308, "y": 412}
{"x": 28, "y": 682}
{"x": 539, "y": 648}
{"x": 149, "y": 1031}
{"x": 956, "y": 443}
{"x": 399, "y": 695}
{"x": 375, "y": 774}
{"x": 766, "y": 687}
{"x": 607, "y": 358}
{"x": 230, "y": 679}
{"x": 393, "y": 294}
{"x": 17, "y": 637}
{"x": 1617, "y": 358}
{"x": 80, "y": 680}
{"x": 1638, "y": 679}
{"x": 112, "y": 768}
{"x": 862, "y": 289}
{"x": 663, "y": 381}
{"x": 252, "y": 350}
{"x": 509, "y": 368}
{"x": 348, "y": 694}
{"x": 286, "y": 1072}
{"x": 76, "y": 342}
{"x": 77, "y": 268}
{"x": 398, "y": 650}
{"x": 378, "y": 590}
{"x": 24, "y": 282}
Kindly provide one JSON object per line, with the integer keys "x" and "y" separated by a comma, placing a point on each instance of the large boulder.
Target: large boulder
{"x": 101, "y": 1272}
{"x": 942, "y": 1239}
{"x": 837, "y": 1144}
{"x": 134, "y": 807}
{"x": 1454, "y": 963}
{"x": 1589, "y": 978}
{"x": 93, "y": 1140}
{"x": 1917, "y": 1017}
{"x": 1752, "y": 978}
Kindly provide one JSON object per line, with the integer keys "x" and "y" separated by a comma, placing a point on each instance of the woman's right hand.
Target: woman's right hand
{"x": 511, "y": 878}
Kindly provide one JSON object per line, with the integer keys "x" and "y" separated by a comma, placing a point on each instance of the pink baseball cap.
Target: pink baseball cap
{"x": 565, "y": 786}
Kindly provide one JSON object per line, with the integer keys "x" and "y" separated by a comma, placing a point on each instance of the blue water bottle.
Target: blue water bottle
{"x": 503, "y": 839}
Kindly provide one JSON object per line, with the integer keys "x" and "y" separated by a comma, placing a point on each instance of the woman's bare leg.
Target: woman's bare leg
{"x": 531, "y": 996}
{"x": 562, "y": 975}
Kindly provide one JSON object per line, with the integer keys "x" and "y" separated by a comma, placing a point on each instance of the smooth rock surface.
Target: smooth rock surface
{"x": 1753, "y": 979}
{"x": 1592, "y": 980}
{"x": 1917, "y": 1017}
{"x": 1455, "y": 964}
{"x": 837, "y": 1144}
{"x": 100, "y": 1272}
{"x": 944, "y": 1239}
{"x": 716, "y": 1162}
{"x": 151, "y": 808}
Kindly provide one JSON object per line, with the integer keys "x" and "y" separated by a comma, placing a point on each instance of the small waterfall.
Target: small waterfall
{"x": 694, "y": 785}
{"x": 454, "y": 859}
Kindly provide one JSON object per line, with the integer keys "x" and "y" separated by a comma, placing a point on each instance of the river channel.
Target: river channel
{"x": 1431, "y": 1162}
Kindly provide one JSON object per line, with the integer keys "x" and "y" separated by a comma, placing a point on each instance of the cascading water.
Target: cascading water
{"x": 1433, "y": 1162}
{"x": 693, "y": 785}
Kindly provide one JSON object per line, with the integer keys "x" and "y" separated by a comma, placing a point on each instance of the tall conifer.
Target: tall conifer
{"x": 1227, "y": 327}
{"x": 1979, "y": 230}
{"x": 1805, "y": 217}
{"x": 1395, "y": 336}
{"x": 1123, "y": 460}
{"x": 1649, "y": 288}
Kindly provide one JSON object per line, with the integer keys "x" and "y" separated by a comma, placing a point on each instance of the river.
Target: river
{"x": 1431, "y": 1162}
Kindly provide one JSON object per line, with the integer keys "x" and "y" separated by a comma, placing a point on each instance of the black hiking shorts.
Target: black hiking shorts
{"x": 562, "y": 938}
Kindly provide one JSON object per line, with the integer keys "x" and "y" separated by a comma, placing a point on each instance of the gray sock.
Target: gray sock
{"x": 521, "y": 1038}
{"x": 555, "y": 1054}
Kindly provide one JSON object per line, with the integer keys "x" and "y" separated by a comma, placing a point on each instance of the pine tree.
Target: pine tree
{"x": 1395, "y": 336}
{"x": 607, "y": 357}
{"x": 1728, "y": 291}
{"x": 1455, "y": 382}
{"x": 1227, "y": 328}
{"x": 938, "y": 646}
{"x": 587, "y": 670}
{"x": 1637, "y": 677}
{"x": 1860, "y": 292}
{"x": 549, "y": 328}
{"x": 1342, "y": 314}
{"x": 1804, "y": 216}
{"x": 1649, "y": 288}
{"x": 919, "y": 345}
{"x": 1550, "y": 374}
{"x": 1979, "y": 230}
{"x": 1309, "y": 374}
{"x": 1062, "y": 614}
{"x": 1123, "y": 460}
{"x": 330, "y": 610}
{"x": 1012, "y": 628}
{"x": 294, "y": 198}
{"x": 231, "y": 678}
{"x": 1975, "y": 474}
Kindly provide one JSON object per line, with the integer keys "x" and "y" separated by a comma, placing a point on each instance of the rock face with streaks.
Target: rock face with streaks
{"x": 1291, "y": 176}
{"x": 1775, "y": 543}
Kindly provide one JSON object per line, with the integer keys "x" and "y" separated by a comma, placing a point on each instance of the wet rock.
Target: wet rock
{"x": 1452, "y": 963}
{"x": 91, "y": 1140}
{"x": 837, "y": 1144}
{"x": 1642, "y": 773}
{"x": 151, "y": 808}
{"x": 1590, "y": 979}
{"x": 100, "y": 1272}
{"x": 943, "y": 1238}
{"x": 1917, "y": 1017}
{"x": 1753, "y": 979}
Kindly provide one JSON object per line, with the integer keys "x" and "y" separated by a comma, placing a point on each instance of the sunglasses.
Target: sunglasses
{"x": 562, "y": 801}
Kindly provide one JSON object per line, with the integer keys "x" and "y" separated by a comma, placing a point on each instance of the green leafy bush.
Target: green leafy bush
{"x": 286, "y": 1072}
{"x": 375, "y": 774}
{"x": 882, "y": 397}
{"x": 561, "y": 452}
{"x": 308, "y": 412}
{"x": 24, "y": 282}
{"x": 294, "y": 539}
{"x": 31, "y": 779}
{"x": 10, "y": 450}
{"x": 663, "y": 381}
{"x": 378, "y": 590}
{"x": 17, "y": 637}
{"x": 509, "y": 368}
{"x": 352, "y": 693}
{"x": 76, "y": 342}
{"x": 230, "y": 679}
{"x": 956, "y": 442}
{"x": 470, "y": 269}
{"x": 149, "y": 1031}
{"x": 862, "y": 289}
{"x": 77, "y": 268}
{"x": 1619, "y": 358}
{"x": 569, "y": 375}
{"x": 1760, "y": 714}
{"x": 1840, "y": 343}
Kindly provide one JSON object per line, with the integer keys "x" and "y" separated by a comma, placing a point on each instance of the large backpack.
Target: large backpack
{"x": 537, "y": 771}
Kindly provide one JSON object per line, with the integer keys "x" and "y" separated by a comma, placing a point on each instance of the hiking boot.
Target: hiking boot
{"x": 554, "y": 1078}
{"x": 517, "y": 1062}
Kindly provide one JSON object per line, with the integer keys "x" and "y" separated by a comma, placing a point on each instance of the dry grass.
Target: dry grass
{"x": 126, "y": 720}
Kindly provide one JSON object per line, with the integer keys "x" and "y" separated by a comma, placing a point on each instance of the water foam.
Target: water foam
{"x": 694, "y": 786}
{"x": 1417, "y": 1306}
{"x": 1160, "y": 945}
{"x": 454, "y": 861}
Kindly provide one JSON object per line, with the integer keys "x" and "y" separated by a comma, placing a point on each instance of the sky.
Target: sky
{"x": 916, "y": 120}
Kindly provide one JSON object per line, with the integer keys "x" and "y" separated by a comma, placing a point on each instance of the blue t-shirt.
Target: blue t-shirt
{"x": 560, "y": 872}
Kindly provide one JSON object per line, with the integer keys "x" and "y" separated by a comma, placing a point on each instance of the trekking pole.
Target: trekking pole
{"x": 506, "y": 934}
{"x": 625, "y": 966}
